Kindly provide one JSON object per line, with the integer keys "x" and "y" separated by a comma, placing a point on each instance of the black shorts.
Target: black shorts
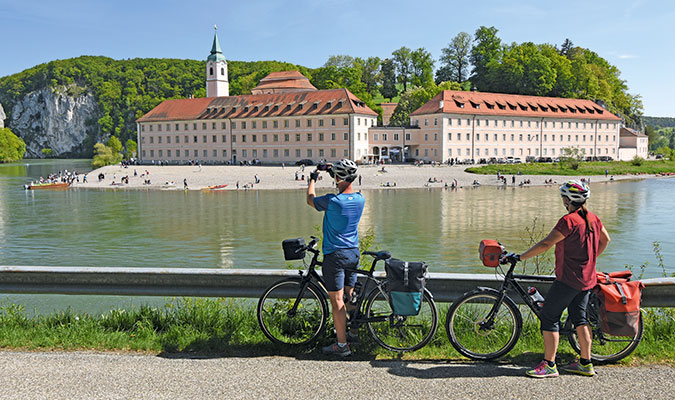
{"x": 559, "y": 297}
{"x": 339, "y": 269}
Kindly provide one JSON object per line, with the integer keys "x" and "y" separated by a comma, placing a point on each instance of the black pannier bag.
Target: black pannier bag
{"x": 406, "y": 282}
{"x": 294, "y": 249}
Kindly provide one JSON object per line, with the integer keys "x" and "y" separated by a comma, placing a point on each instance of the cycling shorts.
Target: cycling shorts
{"x": 339, "y": 269}
{"x": 559, "y": 297}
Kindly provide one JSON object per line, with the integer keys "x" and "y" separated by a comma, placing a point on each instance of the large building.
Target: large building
{"x": 475, "y": 125}
{"x": 284, "y": 120}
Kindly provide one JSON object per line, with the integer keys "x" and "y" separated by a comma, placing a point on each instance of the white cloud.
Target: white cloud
{"x": 626, "y": 56}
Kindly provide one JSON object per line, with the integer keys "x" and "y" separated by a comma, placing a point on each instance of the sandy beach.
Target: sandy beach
{"x": 277, "y": 177}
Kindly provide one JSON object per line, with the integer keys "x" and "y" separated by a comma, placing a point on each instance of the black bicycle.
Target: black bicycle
{"x": 294, "y": 311}
{"x": 485, "y": 323}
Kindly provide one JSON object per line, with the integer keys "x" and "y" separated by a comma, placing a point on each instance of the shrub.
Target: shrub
{"x": 637, "y": 161}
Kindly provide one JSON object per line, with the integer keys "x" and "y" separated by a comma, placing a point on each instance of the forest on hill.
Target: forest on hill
{"x": 127, "y": 89}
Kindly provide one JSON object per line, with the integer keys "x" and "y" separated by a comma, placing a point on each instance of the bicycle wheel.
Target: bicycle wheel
{"x": 397, "y": 332}
{"x": 605, "y": 348}
{"x": 281, "y": 324}
{"x": 473, "y": 335}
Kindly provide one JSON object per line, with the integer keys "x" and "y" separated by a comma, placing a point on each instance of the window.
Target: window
{"x": 468, "y": 136}
{"x": 287, "y": 153}
{"x": 185, "y": 126}
{"x": 224, "y": 138}
{"x": 309, "y": 137}
{"x": 177, "y": 139}
{"x": 321, "y": 153}
{"x": 276, "y": 153}
{"x": 254, "y": 138}
{"x": 396, "y": 136}
{"x": 407, "y": 136}
{"x": 286, "y": 137}
{"x": 264, "y": 125}
{"x": 243, "y": 153}
{"x": 332, "y": 121}
{"x": 224, "y": 153}
{"x": 243, "y": 124}
{"x": 276, "y": 138}
{"x": 384, "y": 136}
{"x": 512, "y": 137}
{"x": 152, "y": 139}
{"x": 320, "y": 137}
{"x": 477, "y": 137}
{"x": 215, "y": 153}
{"x": 285, "y": 123}
{"x": 233, "y": 125}
{"x": 344, "y": 153}
{"x": 213, "y": 139}
{"x": 297, "y": 152}
{"x": 435, "y": 121}
{"x": 333, "y": 153}
{"x": 142, "y": 128}
{"x": 243, "y": 138}
{"x": 234, "y": 139}
{"x": 203, "y": 126}
{"x": 345, "y": 136}
{"x": 168, "y": 139}
{"x": 309, "y": 123}
{"x": 187, "y": 153}
{"x": 222, "y": 125}
{"x": 276, "y": 124}
{"x": 345, "y": 121}
{"x": 254, "y": 123}
{"x": 203, "y": 138}
{"x": 194, "y": 139}
{"x": 255, "y": 153}
{"x": 297, "y": 123}
{"x": 320, "y": 122}
{"x": 297, "y": 137}
{"x": 358, "y": 136}
{"x": 426, "y": 137}
{"x": 520, "y": 137}
{"x": 375, "y": 135}
{"x": 264, "y": 138}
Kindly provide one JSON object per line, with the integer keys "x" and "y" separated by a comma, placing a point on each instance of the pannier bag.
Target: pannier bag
{"x": 406, "y": 282}
{"x": 619, "y": 303}
{"x": 294, "y": 249}
{"x": 490, "y": 251}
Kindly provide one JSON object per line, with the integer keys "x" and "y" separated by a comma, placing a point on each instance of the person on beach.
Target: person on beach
{"x": 580, "y": 238}
{"x": 340, "y": 243}
{"x": 185, "y": 185}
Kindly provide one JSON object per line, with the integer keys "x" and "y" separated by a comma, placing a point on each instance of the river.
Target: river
{"x": 233, "y": 229}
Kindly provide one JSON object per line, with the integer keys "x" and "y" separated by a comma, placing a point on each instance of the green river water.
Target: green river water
{"x": 230, "y": 229}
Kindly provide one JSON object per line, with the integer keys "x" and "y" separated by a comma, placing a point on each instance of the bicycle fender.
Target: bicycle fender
{"x": 431, "y": 295}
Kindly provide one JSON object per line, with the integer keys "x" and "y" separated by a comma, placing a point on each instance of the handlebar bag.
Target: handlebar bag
{"x": 490, "y": 251}
{"x": 405, "y": 285}
{"x": 619, "y": 303}
{"x": 294, "y": 249}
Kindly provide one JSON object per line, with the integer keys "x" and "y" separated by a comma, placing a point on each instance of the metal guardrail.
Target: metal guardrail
{"x": 204, "y": 282}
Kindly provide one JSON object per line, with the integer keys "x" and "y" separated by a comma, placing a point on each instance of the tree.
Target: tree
{"x": 566, "y": 48}
{"x": 340, "y": 61}
{"x": 415, "y": 98}
{"x": 47, "y": 152}
{"x": 571, "y": 157}
{"x": 389, "y": 90}
{"x": 403, "y": 63}
{"x": 422, "y": 71}
{"x": 115, "y": 145}
{"x": 103, "y": 156}
{"x": 371, "y": 75}
{"x": 485, "y": 53}
{"x": 455, "y": 57}
{"x": 131, "y": 148}
{"x": 12, "y": 147}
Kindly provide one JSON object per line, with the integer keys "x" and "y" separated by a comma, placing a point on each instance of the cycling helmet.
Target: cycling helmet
{"x": 345, "y": 169}
{"x": 576, "y": 191}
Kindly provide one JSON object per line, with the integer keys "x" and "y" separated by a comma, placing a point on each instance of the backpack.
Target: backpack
{"x": 405, "y": 285}
{"x": 619, "y": 303}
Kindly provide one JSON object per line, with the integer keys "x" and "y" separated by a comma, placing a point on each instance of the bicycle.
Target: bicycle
{"x": 294, "y": 311}
{"x": 485, "y": 323}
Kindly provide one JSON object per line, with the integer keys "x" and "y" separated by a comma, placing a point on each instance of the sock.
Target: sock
{"x": 341, "y": 344}
{"x": 550, "y": 363}
{"x": 584, "y": 361}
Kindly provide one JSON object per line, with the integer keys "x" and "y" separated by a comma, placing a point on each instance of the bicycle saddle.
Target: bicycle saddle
{"x": 379, "y": 255}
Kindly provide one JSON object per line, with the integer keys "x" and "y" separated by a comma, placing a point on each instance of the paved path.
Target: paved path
{"x": 82, "y": 375}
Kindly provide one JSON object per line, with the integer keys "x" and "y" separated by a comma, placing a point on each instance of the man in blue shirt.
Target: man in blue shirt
{"x": 340, "y": 243}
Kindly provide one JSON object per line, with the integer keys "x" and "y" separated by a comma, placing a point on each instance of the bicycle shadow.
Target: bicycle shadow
{"x": 448, "y": 369}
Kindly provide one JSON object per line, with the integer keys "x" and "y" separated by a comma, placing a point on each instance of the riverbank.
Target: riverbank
{"x": 277, "y": 177}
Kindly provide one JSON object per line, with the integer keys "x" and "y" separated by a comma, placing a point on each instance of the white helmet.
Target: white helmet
{"x": 576, "y": 191}
{"x": 345, "y": 169}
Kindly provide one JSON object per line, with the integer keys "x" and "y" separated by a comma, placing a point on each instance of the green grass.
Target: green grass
{"x": 229, "y": 328}
{"x": 585, "y": 168}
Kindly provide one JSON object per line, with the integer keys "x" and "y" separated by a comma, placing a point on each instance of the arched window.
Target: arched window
{"x": 222, "y": 71}
{"x": 211, "y": 71}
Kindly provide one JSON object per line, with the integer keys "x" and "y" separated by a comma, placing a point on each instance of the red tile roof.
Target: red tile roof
{"x": 479, "y": 103}
{"x": 630, "y": 132}
{"x": 283, "y": 81}
{"x": 320, "y": 102}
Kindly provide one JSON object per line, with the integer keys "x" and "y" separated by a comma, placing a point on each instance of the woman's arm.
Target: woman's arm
{"x": 604, "y": 240}
{"x": 546, "y": 243}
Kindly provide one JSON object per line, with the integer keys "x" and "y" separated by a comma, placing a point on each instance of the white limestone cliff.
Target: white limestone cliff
{"x": 2, "y": 117}
{"x": 55, "y": 119}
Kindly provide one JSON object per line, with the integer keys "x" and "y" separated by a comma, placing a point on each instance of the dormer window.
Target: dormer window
{"x": 267, "y": 108}
{"x": 246, "y": 109}
{"x": 288, "y": 107}
{"x": 300, "y": 106}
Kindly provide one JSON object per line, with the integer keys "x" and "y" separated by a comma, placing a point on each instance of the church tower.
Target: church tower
{"x": 216, "y": 71}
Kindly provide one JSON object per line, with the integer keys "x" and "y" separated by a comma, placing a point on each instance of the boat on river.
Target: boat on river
{"x": 53, "y": 185}
{"x": 214, "y": 187}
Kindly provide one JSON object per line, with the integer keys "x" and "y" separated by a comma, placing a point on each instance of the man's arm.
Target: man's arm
{"x": 311, "y": 190}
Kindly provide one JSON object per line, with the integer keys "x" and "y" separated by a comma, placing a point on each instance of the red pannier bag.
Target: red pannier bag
{"x": 619, "y": 303}
{"x": 490, "y": 251}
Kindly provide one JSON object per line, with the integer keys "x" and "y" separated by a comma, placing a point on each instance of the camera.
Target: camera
{"x": 323, "y": 167}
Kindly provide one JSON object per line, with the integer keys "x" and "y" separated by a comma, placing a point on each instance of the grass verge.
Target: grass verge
{"x": 584, "y": 168}
{"x": 226, "y": 327}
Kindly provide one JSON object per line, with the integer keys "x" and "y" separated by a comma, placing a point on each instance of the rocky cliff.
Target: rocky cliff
{"x": 2, "y": 117}
{"x": 57, "y": 119}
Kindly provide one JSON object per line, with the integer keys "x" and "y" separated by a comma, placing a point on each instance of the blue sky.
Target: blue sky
{"x": 636, "y": 36}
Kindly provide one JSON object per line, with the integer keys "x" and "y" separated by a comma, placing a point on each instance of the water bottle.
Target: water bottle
{"x": 355, "y": 294}
{"x": 536, "y": 297}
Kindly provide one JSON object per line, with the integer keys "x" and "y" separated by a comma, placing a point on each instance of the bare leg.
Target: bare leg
{"x": 585, "y": 340}
{"x": 551, "y": 340}
{"x": 339, "y": 315}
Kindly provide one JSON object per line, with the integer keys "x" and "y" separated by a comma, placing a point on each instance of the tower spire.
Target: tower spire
{"x": 216, "y": 70}
{"x": 216, "y": 52}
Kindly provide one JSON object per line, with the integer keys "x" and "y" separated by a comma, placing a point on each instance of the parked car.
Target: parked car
{"x": 305, "y": 161}
{"x": 517, "y": 160}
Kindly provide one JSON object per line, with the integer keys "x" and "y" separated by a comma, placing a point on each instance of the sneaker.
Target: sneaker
{"x": 542, "y": 370}
{"x": 342, "y": 351}
{"x": 580, "y": 369}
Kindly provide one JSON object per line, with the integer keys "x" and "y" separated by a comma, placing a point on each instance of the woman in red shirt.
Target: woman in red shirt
{"x": 579, "y": 237}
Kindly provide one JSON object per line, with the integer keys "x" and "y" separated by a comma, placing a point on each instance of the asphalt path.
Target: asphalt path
{"x": 84, "y": 375}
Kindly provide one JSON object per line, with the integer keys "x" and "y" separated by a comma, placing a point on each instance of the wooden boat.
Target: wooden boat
{"x": 214, "y": 187}
{"x": 54, "y": 185}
